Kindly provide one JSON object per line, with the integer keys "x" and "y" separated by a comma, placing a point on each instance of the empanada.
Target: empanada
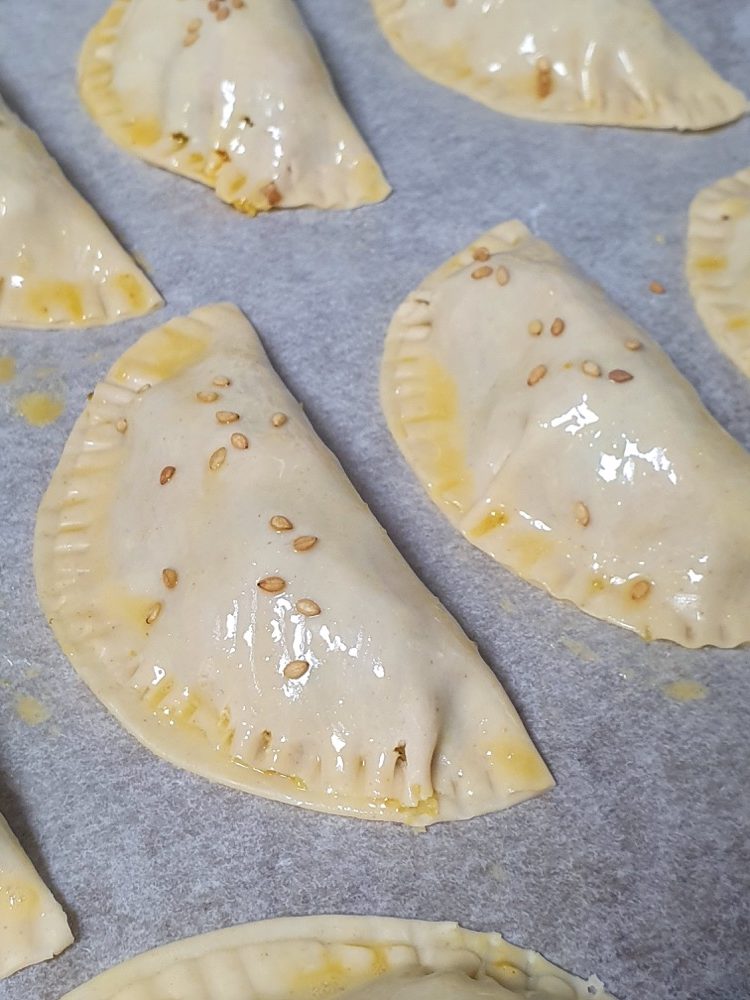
{"x": 215, "y": 579}
{"x": 232, "y": 94}
{"x": 367, "y": 958}
{"x": 59, "y": 264}
{"x": 33, "y": 926}
{"x": 718, "y": 264}
{"x": 599, "y": 62}
{"x": 560, "y": 439}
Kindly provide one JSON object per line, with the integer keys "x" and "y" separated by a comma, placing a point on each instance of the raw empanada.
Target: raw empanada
{"x": 33, "y": 926}
{"x": 559, "y": 438}
{"x": 232, "y": 94}
{"x": 599, "y": 62}
{"x": 215, "y": 579}
{"x": 59, "y": 264}
{"x": 718, "y": 264}
{"x": 370, "y": 958}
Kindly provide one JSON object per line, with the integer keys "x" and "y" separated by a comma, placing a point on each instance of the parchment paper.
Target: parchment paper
{"x": 637, "y": 865}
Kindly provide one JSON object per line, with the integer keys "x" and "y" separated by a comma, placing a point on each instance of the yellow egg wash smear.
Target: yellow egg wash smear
{"x": 39, "y": 408}
{"x": 7, "y": 368}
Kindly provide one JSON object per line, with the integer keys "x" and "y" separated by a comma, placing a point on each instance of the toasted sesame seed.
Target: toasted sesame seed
{"x": 169, "y": 578}
{"x": 121, "y": 425}
{"x": 536, "y": 374}
{"x": 633, "y": 345}
{"x": 449, "y": 3}
{"x": 657, "y": 288}
{"x": 307, "y": 607}
{"x": 222, "y": 380}
{"x": 207, "y": 397}
{"x": 238, "y": 4}
{"x": 481, "y": 272}
{"x": 480, "y": 253}
{"x": 535, "y": 327}
{"x": 153, "y": 613}
{"x": 195, "y": 24}
{"x": 240, "y": 442}
{"x": 618, "y": 375}
{"x": 304, "y": 543}
{"x": 227, "y": 417}
{"x": 272, "y": 193}
{"x": 213, "y": 5}
{"x": 272, "y": 584}
{"x": 189, "y": 40}
{"x": 222, "y": 14}
{"x": 558, "y": 327}
{"x": 296, "y": 669}
{"x": 279, "y": 419}
{"x": 640, "y": 589}
{"x": 166, "y": 474}
{"x": 502, "y": 275}
{"x": 280, "y": 523}
{"x": 591, "y": 368}
{"x": 582, "y": 513}
{"x": 217, "y": 459}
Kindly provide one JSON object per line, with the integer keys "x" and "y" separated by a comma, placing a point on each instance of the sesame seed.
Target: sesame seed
{"x": 304, "y": 543}
{"x": 449, "y": 3}
{"x": 582, "y": 513}
{"x": 227, "y": 417}
{"x": 535, "y": 327}
{"x": 166, "y": 474}
{"x": 558, "y": 327}
{"x": 238, "y": 4}
{"x": 480, "y": 253}
{"x": 153, "y": 613}
{"x": 272, "y": 584}
{"x": 279, "y": 419}
{"x": 280, "y": 523}
{"x": 481, "y": 272}
{"x": 502, "y": 275}
{"x": 657, "y": 288}
{"x": 307, "y": 607}
{"x": 633, "y": 345}
{"x": 194, "y": 25}
{"x": 640, "y": 589}
{"x": 189, "y": 40}
{"x": 169, "y": 578}
{"x": 296, "y": 669}
{"x": 121, "y": 425}
{"x": 591, "y": 368}
{"x": 222, "y": 380}
{"x": 272, "y": 193}
{"x": 222, "y": 14}
{"x": 536, "y": 374}
{"x": 618, "y": 375}
{"x": 543, "y": 78}
{"x": 207, "y": 397}
{"x": 213, "y": 5}
{"x": 217, "y": 459}
{"x": 240, "y": 442}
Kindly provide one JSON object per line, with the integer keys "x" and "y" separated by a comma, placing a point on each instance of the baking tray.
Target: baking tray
{"x": 637, "y": 865}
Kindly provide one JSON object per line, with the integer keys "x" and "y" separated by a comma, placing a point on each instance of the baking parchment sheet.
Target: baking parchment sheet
{"x": 637, "y": 865}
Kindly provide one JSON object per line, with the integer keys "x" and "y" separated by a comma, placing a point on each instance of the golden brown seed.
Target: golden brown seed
{"x": 238, "y": 4}
{"x": 222, "y": 14}
{"x": 280, "y": 523}
{"x": 194, "y": 25}
{"x": 449, "y": 3}
{"x": 121, "y": 425}
{"x": 296, "y": 669}
{"x": 153, "y": 613}
{"x": 272, "y": 584}
{"x": 189, "y": 40}
{"x": 222, "y": 380}
{"x": 217, "y": 459}
{"x": 307, "y": 607}
{"x": 657, "y": 288}
{"x": 240, "y": 442}
{"x": 169, "y": 578}
{"x": 272, "y": 193}
{"x": 536, "y": 374}
{"x": 582, "y": 513}
{"x": 618, "y": 375}
{"x": 543, "y": 78}
{"x": 304, "y": 543}
{"x": 207, "y": 397}
{"x": 279, "y": 419}
{"x": 227, "y": 417}
{"x": 640, "y": 589}
{"x": 166, "y": 474}
{"x": 480, "y": 253}
{"x": 633, "y": 345}
{"x": 213, "y": 5}
{"x": 535, "y": 327}
{"x": 481, "y": 272}
{"x": 502, "y": 275}
{"x": 591, "y": 368}
{"x": 558, "y": 327}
